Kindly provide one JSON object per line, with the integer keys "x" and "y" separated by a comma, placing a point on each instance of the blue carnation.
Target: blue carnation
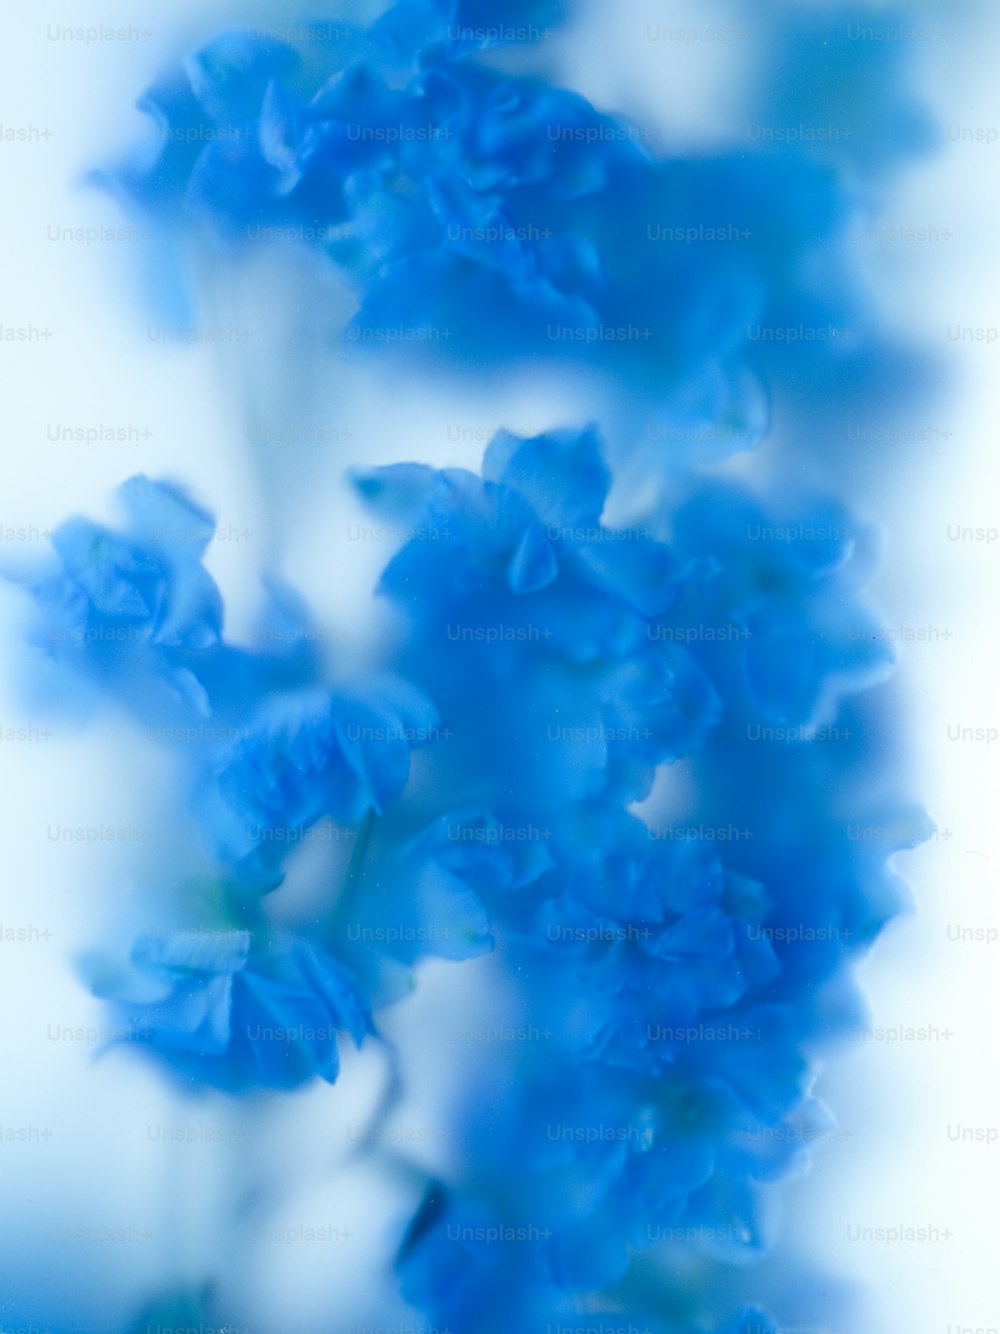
{"x": 435, "y": 893}
{"x": 133, "y": 612}
{"x": 592, "y": 680}
{"x": 272, "y": 750}
{"x": 303, "y": 757}
{"x": 513, "y": 579}
{"x": 466, "y": 1266}
{"x": 672, "y": 985}
{"x": 139, "y": 600}
{"x": 237, "y": 1010}
{"x": 441, "y": 188}
{"x": 774, "y": 608}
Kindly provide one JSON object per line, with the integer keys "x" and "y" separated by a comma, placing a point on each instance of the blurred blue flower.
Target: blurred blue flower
{"x": 443, "y": 189}
{"x": 303, "y": 757}
{"x": 237, "y": 1010}
{"x": 271, "y": 749}
{"x": 513, "y": 587}
{"x": 432, "y": 894}
{"x": 136, "y": 601}
{"x": 135, "y": 614}
{"x": 470, "y": 1269}
{"x": 774, "y": 609}
{"x": 677, "y": 992}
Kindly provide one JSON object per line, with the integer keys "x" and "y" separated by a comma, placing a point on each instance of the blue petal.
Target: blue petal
{"x": 533, "y": 565}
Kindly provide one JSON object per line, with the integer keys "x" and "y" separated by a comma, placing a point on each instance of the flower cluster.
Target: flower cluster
{"x": 271, "y": 748}
{"x": 671, "y": 985}
{"x": 670, "y": 988}
{"x": 613, "y": 762}
{"x": 272, "y": 755}
{"x": 488, "y": 220}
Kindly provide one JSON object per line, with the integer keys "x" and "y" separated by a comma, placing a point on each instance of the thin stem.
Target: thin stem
{"x": 353, "y": 873}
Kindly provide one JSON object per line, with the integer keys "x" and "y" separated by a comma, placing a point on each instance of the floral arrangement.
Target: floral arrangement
{"x": 605, "y": 765}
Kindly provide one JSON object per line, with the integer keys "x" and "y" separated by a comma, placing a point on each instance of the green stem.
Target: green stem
{"x": 353, "y": 873}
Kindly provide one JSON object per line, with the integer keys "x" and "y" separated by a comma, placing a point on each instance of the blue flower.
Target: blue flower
{"x": 677, "y": 993}
{"x": 661, "y": 960}
{"x": 303, "y": 757}
{"x": 444, "y": 188}
{"x": 431, "y": 894}
{"x": 139, "y": 601}
{"x": 272, "y": 750}
{"x": 458, "y": 27}
{"x": 772, "y": 609}
{"x": 513, "y": 586}
{"x": 135, "y": 614}
{"x": 237, "y": 1010}
{"x": 471, "y": 1269}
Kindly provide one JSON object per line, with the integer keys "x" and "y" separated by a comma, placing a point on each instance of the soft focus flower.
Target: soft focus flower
{"x": 675, "y": 988}
{"x": 303, "y": 757}
{"x": 238, "y": 1011}
{"x": 512, "y": 580}
{"x": 593, "y": 700}
{"x": 134, "y": 615}
{"x": 774, "y": 608}
{"x": 486, "y": 220}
